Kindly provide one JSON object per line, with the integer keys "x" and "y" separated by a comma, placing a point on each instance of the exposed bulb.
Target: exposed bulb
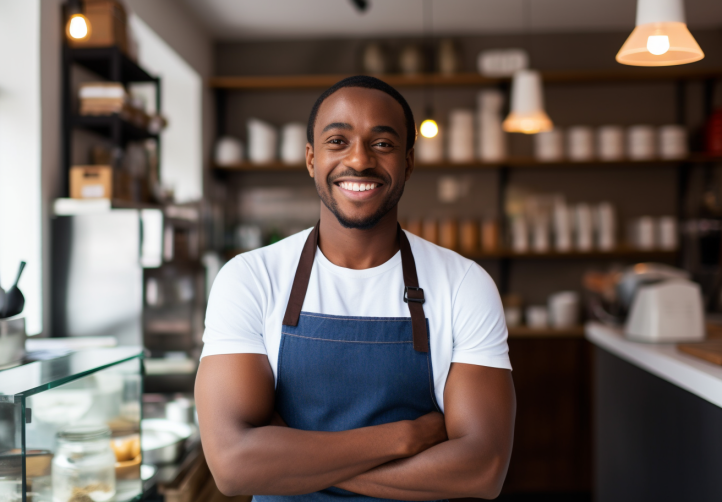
{"x": 658, "y": 44}
{"x": 78, "y": 27}
{"x": 428, "y": 128}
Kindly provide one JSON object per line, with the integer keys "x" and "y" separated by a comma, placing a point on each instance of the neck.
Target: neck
{"x": 354, "y": 248}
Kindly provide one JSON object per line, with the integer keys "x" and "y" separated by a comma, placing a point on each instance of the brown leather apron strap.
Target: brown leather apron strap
{"x": 300, "y": 280}
{"x": 413, "y": 295}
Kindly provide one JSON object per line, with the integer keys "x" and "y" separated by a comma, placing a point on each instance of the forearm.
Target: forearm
{"x": 283, "y": 461}
{"x": 454, "y": 469}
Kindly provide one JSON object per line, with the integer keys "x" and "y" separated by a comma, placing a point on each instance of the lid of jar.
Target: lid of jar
{"x": 88, "y": 432}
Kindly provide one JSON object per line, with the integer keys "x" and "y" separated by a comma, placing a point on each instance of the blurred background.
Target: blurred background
{"x": 571, "y": 147}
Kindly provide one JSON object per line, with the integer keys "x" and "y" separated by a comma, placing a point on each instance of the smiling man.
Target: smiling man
{"x": 354, "y": 361}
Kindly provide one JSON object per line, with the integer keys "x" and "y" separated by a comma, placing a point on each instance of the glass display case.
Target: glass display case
{"x": 70, "y": 428}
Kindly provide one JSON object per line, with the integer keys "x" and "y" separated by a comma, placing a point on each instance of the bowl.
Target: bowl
{"x": 162, "y": 440}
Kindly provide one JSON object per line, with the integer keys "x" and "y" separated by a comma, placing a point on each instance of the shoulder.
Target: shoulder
{"x": 437, "y": 259}
{"x": 272, "y": 258}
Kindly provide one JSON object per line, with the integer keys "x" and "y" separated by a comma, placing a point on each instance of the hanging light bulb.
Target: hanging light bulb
{"x": 429, "y": 128}
{"x": 527, "y": 113}
{"x": 78, "y": 26}
{"x": 661, "y": 37}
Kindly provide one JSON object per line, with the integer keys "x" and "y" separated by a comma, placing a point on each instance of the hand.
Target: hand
{"x": 427, "y": 431}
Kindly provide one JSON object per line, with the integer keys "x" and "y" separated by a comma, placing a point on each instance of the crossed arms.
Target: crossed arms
{"x": 463, "y": 453}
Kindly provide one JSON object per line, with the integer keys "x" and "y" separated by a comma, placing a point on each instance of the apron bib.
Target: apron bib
{"x": 338, "y": 373}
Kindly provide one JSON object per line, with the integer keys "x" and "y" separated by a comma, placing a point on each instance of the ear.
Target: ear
{"x": 409, "y": 163}
{"x": 309, "y": 159}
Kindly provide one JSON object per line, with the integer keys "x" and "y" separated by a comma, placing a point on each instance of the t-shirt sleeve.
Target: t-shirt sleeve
{"x": 479, "y": 329}
{"x": 234, "y": 317}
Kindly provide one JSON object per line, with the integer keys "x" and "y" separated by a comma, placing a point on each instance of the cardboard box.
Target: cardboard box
{"x": 91, "y": 182}
{"x": 108, "y": 25}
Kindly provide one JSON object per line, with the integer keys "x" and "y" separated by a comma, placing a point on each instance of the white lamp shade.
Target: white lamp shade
{"x": 661, "y": 37}
{"x": 527, "y": 105}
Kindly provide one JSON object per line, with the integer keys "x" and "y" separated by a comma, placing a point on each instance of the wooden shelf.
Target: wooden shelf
{"x": 519, "y": 162}
{"x": 290, "y": 82}
{"x": 109, "y": 63}
{"x": 527, "y": 332}
{"x": 113, "y": 127}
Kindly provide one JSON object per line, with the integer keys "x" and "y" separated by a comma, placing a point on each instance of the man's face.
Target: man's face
{"x": 359, "y": 160}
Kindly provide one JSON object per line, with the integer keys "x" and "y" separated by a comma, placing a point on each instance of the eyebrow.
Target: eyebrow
{"x": 337, "y": 125}
{"x": 387, "y": 129}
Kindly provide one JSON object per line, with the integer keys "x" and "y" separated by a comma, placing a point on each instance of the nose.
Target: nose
{"x": 360, "y": 157}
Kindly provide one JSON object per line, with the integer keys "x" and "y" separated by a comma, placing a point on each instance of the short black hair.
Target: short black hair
{"x": 367, "y": 83}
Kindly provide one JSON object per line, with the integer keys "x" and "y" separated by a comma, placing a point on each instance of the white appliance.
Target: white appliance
{"x": 667, "y": 311}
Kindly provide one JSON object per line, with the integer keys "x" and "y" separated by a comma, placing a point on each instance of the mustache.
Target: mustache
{"x": 371, "y": 174}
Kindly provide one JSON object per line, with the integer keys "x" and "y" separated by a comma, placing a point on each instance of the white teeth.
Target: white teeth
{"x": 370, "y": 186}
{"x": 362, "y": 187}
{"x": 355, "y": 187}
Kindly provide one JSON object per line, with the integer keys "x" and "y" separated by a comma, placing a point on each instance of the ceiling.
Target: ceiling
{"x": 276, "y": 19}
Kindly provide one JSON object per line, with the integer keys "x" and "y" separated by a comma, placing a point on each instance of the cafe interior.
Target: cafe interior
{"x": 572, "y": 148}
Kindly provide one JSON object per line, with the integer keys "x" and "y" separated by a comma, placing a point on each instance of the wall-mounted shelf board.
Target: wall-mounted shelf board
{"x": 109, "y": 63}
{"x": 280, "y": 82}
{"x": 527, "y": 332}
{"x": 520, "y": 162}
{"x": 112, "y": 127}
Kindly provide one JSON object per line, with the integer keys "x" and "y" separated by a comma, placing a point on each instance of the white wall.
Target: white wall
{"x": 181, "y": 164}
{"x": 20, "y": 148}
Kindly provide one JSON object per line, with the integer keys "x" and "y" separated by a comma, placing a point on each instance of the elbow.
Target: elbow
{"x": 489, "y": 483}
{"x": 229, "y": 480}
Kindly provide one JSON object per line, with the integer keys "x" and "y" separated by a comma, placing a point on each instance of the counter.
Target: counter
{"x": 657, "y": 421}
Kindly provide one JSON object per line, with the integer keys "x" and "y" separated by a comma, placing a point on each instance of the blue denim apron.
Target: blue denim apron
{"x": 338, "y": 373}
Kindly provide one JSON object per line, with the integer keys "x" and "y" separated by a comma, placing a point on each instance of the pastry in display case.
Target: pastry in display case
{"x": 70, "y": 427}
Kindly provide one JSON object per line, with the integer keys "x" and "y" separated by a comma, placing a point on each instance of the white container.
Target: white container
{"x": 643, "y": 233}
{"x": 512, "y": 316}
{"x": 580, "y": 143}
{"x": 563, "y": 225}
{"x": 537, "y": 316}
{"x": 564, "y": 309}
{"x": 228, "y": 151}
{"x": 606, "y": 225}
{"x": 549, "y": 146}
{"x": 519, "y": 235}
{"x": 502, "y": 62}
{"x": 640, "y": 142}
{"x": 540, "y": 235}
{"x": 667, "y": 236}
{"x": 262, "y": 141}
{"x": 430, "y": 150}
{"x": 672, "y": 142}
{"x": 461, "y": 136}
{"x": 293, "y": 143}
{"x": 492, "y": 142}
{"x": 584, "y": 226}
{"x": 610, "y": 143}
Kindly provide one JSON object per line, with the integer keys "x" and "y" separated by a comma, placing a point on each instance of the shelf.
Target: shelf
{"x": 617, "y": 254}
{"x": 527, "y": 332}
{"x": 291, "y": 82}
{"x": 66, "y": 206}
{"x": 101, "y": 60}
{"x": 112, "y": 127}
{"x": 519, "y": 162}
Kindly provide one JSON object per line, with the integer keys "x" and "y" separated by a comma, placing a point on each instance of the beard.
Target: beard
{"x": 392, "y": 199}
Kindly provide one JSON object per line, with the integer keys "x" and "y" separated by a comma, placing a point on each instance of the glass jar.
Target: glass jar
{"x": 84, "y": 465}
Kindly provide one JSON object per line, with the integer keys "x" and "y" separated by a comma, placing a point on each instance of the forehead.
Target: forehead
{"x": 358, "y": 105}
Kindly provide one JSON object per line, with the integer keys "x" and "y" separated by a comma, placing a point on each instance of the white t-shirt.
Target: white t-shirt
{"x": 466, "y": 320}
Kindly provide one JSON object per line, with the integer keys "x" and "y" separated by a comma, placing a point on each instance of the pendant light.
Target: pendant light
{"x": 428, "y": 128}
{"x": 78, "y": 26}
{"x": 661, "y": 37}
{"x": 527, "y": 114}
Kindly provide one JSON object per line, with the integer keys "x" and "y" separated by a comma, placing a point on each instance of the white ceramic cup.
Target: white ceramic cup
{"x": 606, "y": 224}
{"x": 537, "y": 316}
{"x": 640, "y": 142}
{"x": 564, "y": 309}
{"x": 584, "y": 226}
{"x": 549, "y": 146}
{"x": 667, "y": 235}
{"x": 262, "y": 141}
{"x": 512, "y": 316}
{"x": 293, "y": 143}
{"x": 610, "y": 142}
{"x": 672, "y": 141}
{"x": 228, "y": 151}
{"x": 580, "y": 143}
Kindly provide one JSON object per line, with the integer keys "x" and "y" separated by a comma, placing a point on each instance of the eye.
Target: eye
{"x": 383, "y": 144}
